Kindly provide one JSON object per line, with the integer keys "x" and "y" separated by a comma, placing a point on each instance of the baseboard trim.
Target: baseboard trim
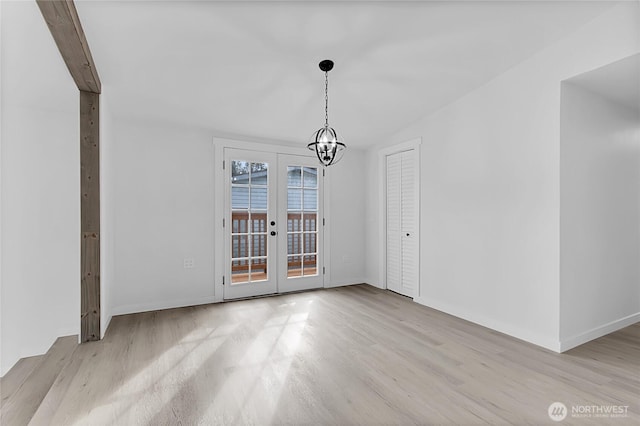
{"x": 171, "y": 304}
{"x": 369, "y": 282}
{"x": 160, "y": 305}
{"x": 343, "y": 283}
{"x": 594, "y": 333}
{"x": 518, "y": 333}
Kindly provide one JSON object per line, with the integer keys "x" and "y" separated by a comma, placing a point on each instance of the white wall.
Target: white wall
{"x": 164, "y": 200}
{"x": 1, "y": 102}
{"x": 165, "y": 209}
{"x": 490, "y": 188}
{"x": 373, "y": 191}
{"x": 108, "y": 172}
{"x": 599, "y": 216}
{"x": 40, "y": 188}
{"x": 345, "y": 195}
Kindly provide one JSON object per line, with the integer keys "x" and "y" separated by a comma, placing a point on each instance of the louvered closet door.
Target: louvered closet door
{"x": 394, "y": 222}
{"x": 401, "y": 223}
{"x": 408, "y": 218}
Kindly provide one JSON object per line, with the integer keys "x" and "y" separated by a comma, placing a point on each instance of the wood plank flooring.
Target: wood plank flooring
{"x": 350, "y": 355}
{"x": 10, "y": 383}
{"x": 22, "y": 403}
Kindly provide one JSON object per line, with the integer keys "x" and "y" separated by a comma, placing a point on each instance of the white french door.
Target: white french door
{"x": 249, "y": 224}
{"x": 300, "y": 212}
{"x": 273, "y": 208}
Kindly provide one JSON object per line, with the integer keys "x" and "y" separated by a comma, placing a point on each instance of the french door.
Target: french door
{"x": 273, "y": 213}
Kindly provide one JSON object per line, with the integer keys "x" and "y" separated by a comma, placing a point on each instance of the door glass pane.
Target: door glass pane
{"x": 309, "y": 223}
{"x": 259, "y": 245}
{"x": 258, "y": 198}
{"x": 258, "y": 222}
{"x": 294, "y": 266}
{"x": 310, "y": 199}
{"x": 294, "y": 224}
{"x": 249, "y": 201}
{"x": 302, "y": 218}
{"x": 258, "y": 269}
{"x": 239, "y": 222}
{"x": 310, "y": 177}
{"x": 310, "y": 242}
{"x": 294, "y": 243}
{"x": 239, "y": 246}
{"x": 239, "y": 172}
{"x": 259, "y": 173}
{"x": 239, "y": 271}
{"x": 294, "y": 199}
{"x": 293, "y": 177}
{"x": 310, "y": 265}
{"x": 239, "y": 197}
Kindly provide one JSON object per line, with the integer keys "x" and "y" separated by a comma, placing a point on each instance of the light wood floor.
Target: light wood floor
{"x": 351, "y": 355}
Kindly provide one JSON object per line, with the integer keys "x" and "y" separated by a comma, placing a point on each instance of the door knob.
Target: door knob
{"x": 273, "y": 233}
{"x": 273, "y": 223}
{"x": 407, "y": 234}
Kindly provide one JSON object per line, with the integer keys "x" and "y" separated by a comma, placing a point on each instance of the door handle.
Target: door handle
{"x": 408, "y": 234}
{"x": 273, "y": 233}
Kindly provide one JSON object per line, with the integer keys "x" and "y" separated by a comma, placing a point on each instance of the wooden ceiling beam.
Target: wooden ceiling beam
{"x": 62, "y": 19}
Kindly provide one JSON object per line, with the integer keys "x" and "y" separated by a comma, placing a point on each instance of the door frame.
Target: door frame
{"x": 412, "y": 144}
{"x": 219, "y": 144}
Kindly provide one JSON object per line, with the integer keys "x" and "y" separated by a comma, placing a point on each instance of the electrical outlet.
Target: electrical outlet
{"x": 189, "y": 263}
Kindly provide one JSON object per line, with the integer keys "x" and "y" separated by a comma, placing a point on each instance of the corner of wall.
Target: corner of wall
{"x": 547, "y": 342}
{"x": 107, "y": 221}
{"x": 1, "y": 203}
{"x": 589, "y": 335}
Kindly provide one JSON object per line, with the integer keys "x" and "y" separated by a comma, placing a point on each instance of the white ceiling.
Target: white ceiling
{"x": 250, "y": 68}
{"x": 619, "y": 82}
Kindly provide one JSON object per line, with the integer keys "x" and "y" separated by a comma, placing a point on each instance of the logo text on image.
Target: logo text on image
{"x": 557, "y": 411}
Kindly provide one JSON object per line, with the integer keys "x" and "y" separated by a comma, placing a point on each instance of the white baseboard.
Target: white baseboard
{"x": 594, "y": 333}
{"x": 376, "y": 285}
{"x": 159, "y": 305}
{"x": 170, "y": 304}
{"x": 508, "y": 329}
{"x": 343, "y": 283}
{"x": 67, "y": 331}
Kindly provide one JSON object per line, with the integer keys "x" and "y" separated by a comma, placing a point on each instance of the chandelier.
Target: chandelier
{"x": 324, "y": 141}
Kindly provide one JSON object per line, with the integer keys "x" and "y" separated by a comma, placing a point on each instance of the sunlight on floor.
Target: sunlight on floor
{"x": 234, "y": 372}
{"x": 144, "y": 394}
{"x": 254, "y": 384}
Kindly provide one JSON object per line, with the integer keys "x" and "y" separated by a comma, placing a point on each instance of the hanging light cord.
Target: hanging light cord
{"x": 326, "y": 99}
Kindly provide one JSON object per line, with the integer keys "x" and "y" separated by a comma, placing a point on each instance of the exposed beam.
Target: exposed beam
{"x": 90, "y": 216}
{"x": 63, "y": 21}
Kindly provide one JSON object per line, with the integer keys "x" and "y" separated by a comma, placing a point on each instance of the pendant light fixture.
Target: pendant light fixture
{"x": 325, "y": 141}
